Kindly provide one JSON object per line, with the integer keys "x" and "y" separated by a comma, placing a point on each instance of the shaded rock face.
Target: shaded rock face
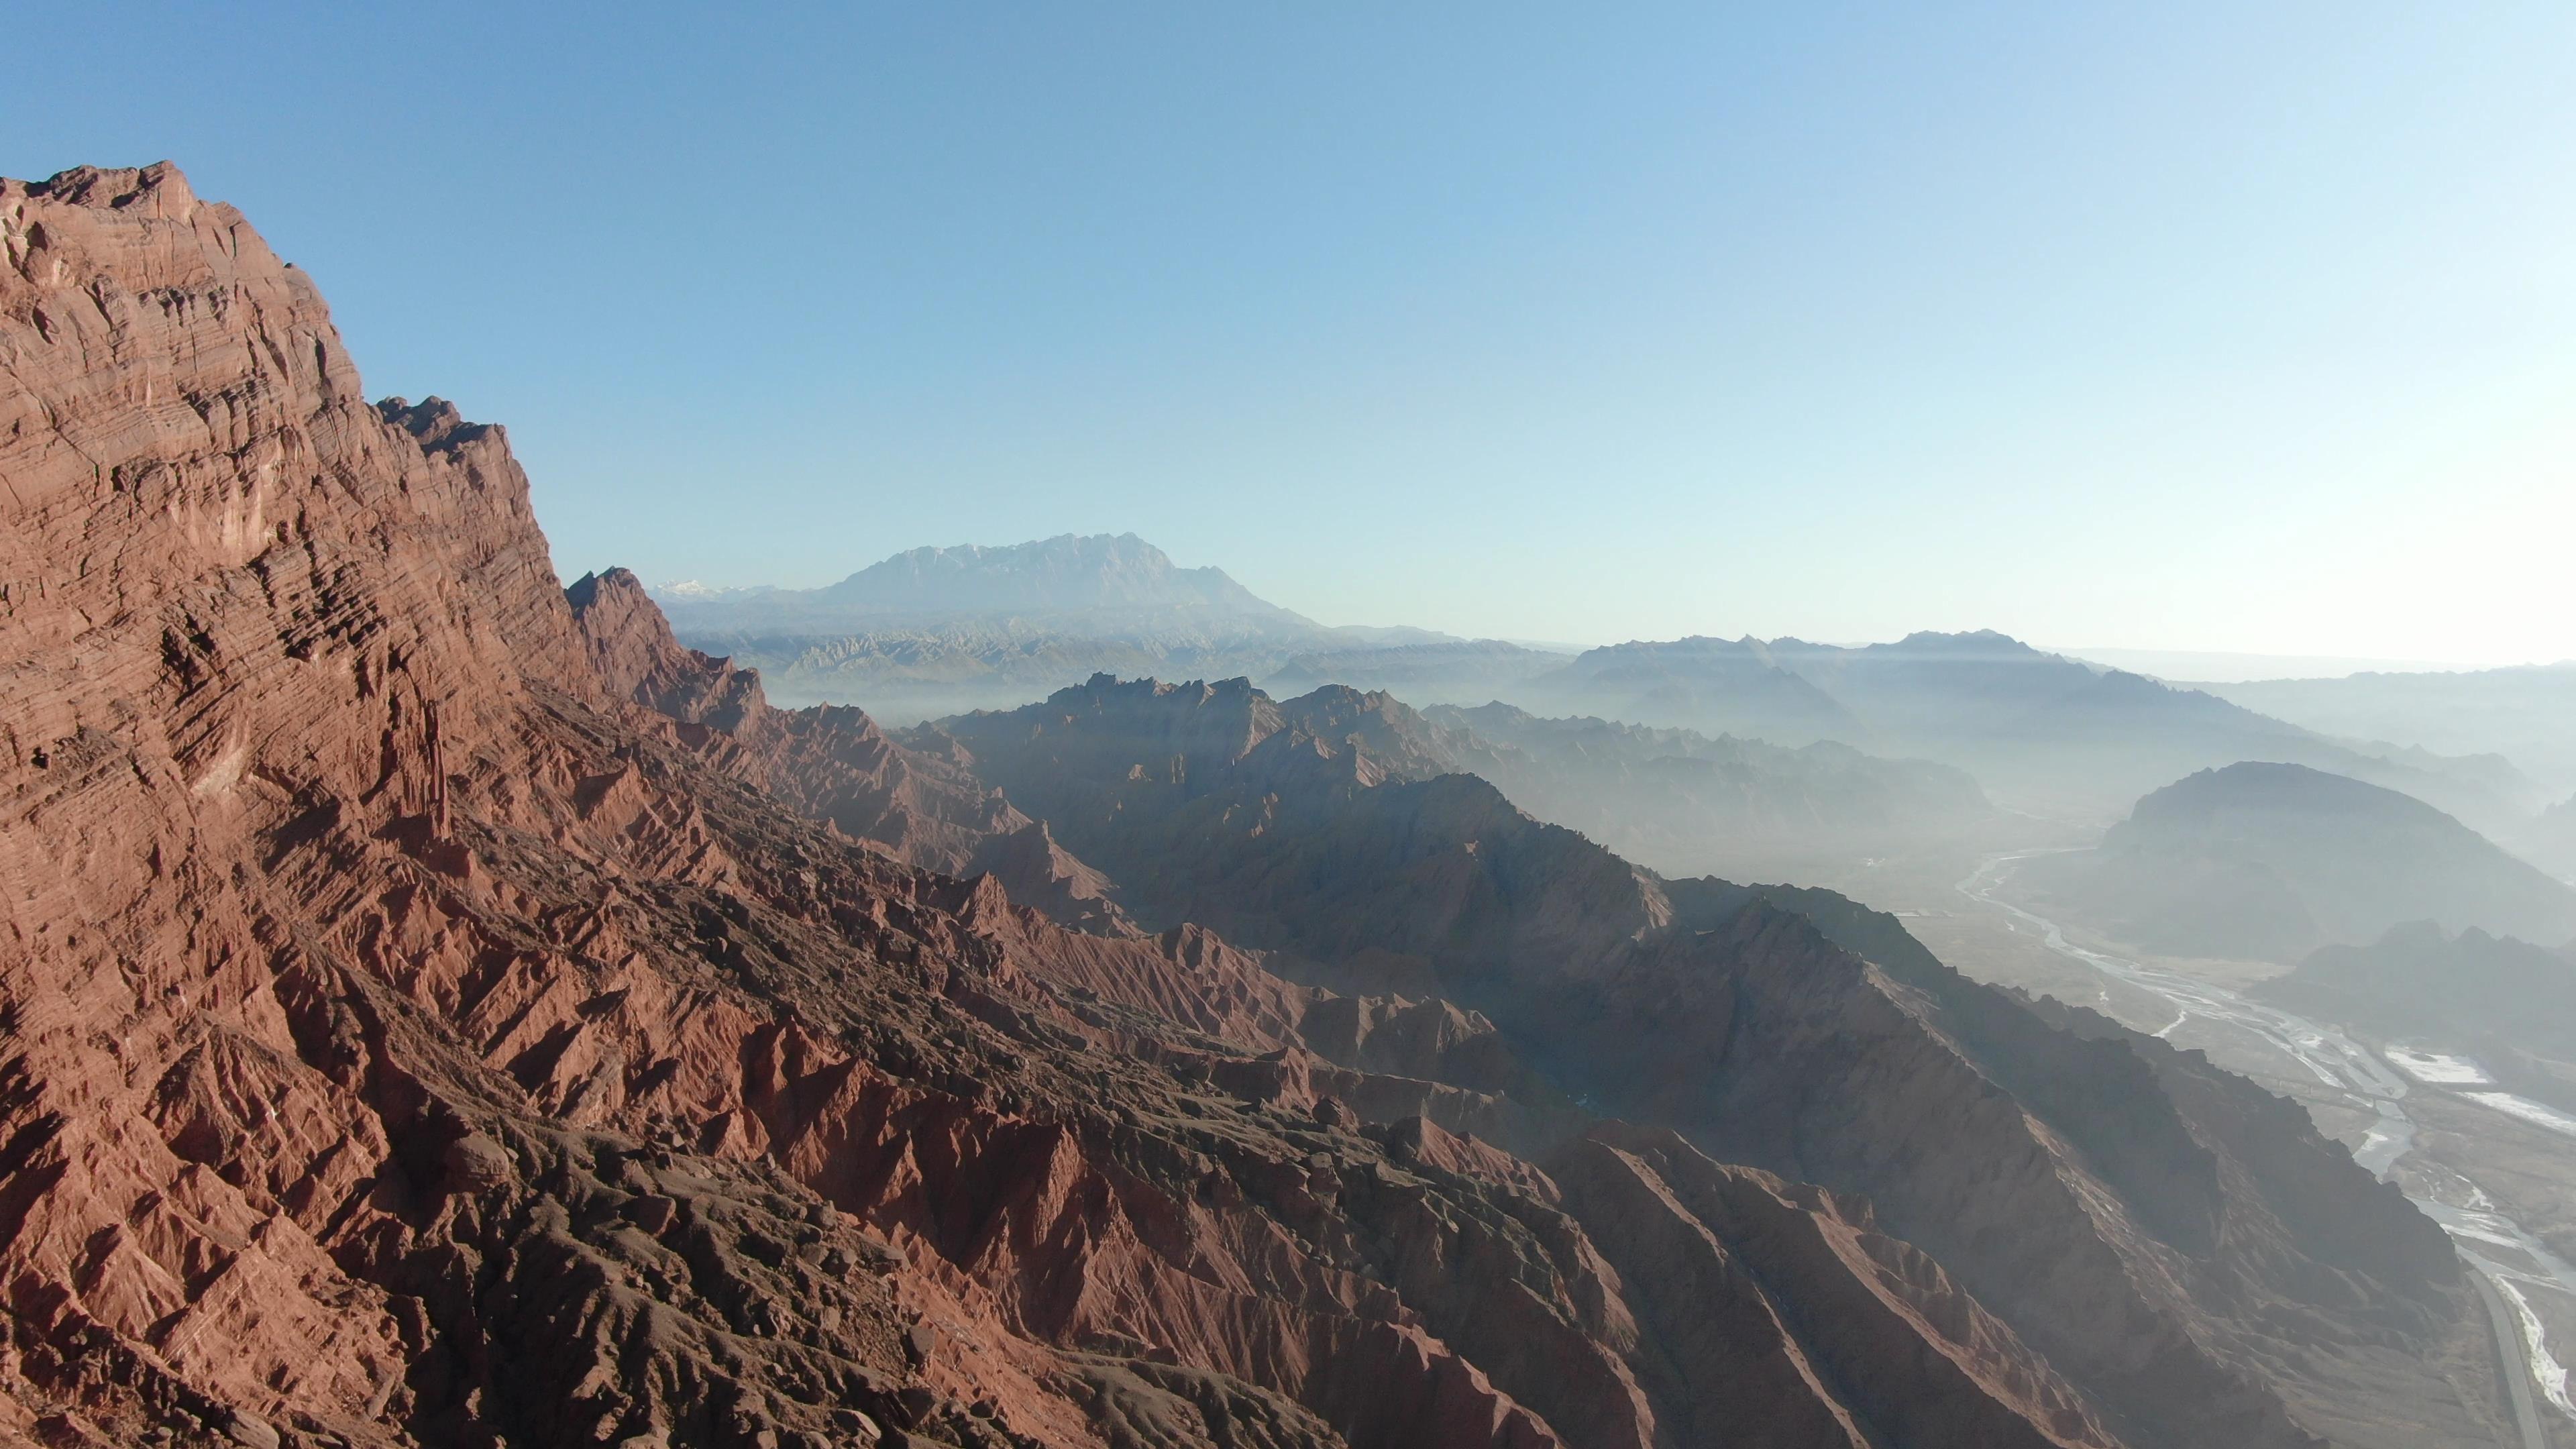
{"x": 2165, "y": 1234}
{"x": 2507, "y": 1003}
{"x": 438, "y": 1009}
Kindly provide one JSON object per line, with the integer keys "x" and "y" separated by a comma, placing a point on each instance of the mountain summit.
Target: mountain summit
{"x": 2270, "y": 861}
{"x": 1115, "y": 585}
{"x": 1068, "y": 573}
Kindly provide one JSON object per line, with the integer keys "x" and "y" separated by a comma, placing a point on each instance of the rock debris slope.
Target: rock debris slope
{"x": 440, "y": 1010}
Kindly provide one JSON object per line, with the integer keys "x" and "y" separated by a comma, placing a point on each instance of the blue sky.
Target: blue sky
{"x": 2193, "y": 326}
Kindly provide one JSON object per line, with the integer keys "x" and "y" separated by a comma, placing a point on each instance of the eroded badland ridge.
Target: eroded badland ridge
{"x": 440, "y": 1009}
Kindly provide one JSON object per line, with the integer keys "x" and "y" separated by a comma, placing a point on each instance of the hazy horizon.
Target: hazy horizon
{"x": 2186, "y": 330}
{"x": 2185, "y": 666}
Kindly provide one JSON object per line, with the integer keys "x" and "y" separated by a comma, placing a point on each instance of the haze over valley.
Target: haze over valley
{"x": 2337, "y": 904}
{"x": 937, "y": 631}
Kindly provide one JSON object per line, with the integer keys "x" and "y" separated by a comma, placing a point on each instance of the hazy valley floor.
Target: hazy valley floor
{"x": 2503, "y": 1185}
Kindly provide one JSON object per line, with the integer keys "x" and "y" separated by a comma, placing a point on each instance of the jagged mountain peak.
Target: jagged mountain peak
{"x": 1234, "y": 717}
{"x": 159, "y": 189}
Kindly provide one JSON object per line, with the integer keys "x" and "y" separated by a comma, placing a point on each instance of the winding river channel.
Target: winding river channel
{"x": 2507, "y": 1260}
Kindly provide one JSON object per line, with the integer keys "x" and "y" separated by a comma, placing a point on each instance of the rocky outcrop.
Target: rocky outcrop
{"x": 438, "y": 1010}
{"x": 832, "y": 762}
{"x": 632, "y": 652}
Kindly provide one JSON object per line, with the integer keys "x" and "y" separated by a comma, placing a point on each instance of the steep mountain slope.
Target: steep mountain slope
{"x": 2271, "y": 861}
{"x": 1685, "y": 803}
{"x": 439, "y": 1010}
{"x": 2161, "y": 1233}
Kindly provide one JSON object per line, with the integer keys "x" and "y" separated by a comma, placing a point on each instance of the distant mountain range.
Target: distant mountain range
{"x": 937, "y": 631}
{"x": 2271, "y": 861}
{"x": 2045, "y": 733}
{"x": 1467, "y": 671}
{"x": 2203, "y": 666}
{"x": 2527, "y": 714}
{"x": 942, "y": 631}
{"x": 1118, "y": 584}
